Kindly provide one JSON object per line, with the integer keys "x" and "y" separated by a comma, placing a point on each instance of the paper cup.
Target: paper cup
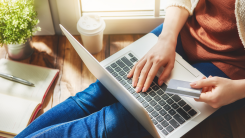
{"x": 91, "y": 28}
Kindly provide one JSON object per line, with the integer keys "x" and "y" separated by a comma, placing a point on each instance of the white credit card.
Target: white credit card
{"x": 182, "y": 88}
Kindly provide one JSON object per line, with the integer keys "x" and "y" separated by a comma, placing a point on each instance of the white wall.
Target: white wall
{"x": 69, "y": 12}
{"x": 55, "y": 16}
{"x": 45, "y": 17}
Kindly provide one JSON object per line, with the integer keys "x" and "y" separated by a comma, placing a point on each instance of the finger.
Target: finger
{"x": 131, "y": 73}
{"x": 204, "y": 97}
{"x": 137, "y": 71}
{"x": 203, "y": 78}
{"x": 197, "y": 100}
{"x": 204, "y": 83}
{"x": 164, "y": 75}
{"x": 210, "y": 88}
{"x": 143, "y": 75}
{"x": 204, "y": 89}
{"x": 152, "y": 73}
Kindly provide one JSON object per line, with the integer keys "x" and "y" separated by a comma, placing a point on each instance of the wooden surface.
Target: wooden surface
{"x": 57, "y": 52}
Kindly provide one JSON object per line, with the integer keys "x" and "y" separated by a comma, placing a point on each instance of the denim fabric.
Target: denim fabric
{"x": 96, "y": 113}
{"x": 89, "y": 114}
{"x": 103, "y": 124}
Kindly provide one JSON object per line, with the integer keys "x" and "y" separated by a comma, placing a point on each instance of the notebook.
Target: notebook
{"x": 19, "y": 104}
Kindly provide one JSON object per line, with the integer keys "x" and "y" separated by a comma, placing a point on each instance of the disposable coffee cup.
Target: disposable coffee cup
{"x": 91, "y": 28}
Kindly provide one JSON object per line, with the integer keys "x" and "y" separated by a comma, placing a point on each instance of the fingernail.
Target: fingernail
{"x": 137, "y": 89}
{"x": 193, "y": 83}
{"x": 160, "y": 83}
{"x": 134, "y": 84}
{"x": 144, "y": 89}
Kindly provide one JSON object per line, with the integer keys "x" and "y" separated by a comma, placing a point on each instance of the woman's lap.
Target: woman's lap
{"x": 104, "y": 123}
{"x": 96, "y": 113}
{"x": 94, "y": 98}
{"x": 91, "y": 113}
{"x": 63, "y": 112}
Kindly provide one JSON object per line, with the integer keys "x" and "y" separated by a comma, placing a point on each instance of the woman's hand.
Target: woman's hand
{"x": 162, "y": 54}
{"x": 219, "y": 91}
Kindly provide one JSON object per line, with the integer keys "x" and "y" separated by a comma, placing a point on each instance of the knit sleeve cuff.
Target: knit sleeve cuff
{"x": 189, "y": 5}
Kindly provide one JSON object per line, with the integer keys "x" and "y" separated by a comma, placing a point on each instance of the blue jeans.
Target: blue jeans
{"x": 89, "y": 114}
{"x": 96, "y": 113}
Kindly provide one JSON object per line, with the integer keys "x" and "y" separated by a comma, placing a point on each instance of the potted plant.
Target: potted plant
{"x": 17, "y": 25}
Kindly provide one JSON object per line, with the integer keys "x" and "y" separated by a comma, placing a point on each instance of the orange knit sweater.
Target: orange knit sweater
{"x": 211, "y": 35}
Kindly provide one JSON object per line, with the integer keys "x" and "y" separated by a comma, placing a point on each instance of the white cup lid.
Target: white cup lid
{"x": 90, "y": 24}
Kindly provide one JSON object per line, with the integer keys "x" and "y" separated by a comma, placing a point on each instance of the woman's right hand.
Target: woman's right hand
{"x": 161, "y": 54}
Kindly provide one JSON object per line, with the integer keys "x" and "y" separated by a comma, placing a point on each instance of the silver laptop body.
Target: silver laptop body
{"x": 186, "y": 116}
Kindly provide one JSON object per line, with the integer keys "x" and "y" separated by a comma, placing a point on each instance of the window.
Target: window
{"x": 117, "y": 5}
{"x": 127, "y": 16}
{"x": 121, "y": 16}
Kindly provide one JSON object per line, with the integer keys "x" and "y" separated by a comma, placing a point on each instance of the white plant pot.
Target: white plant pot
{"x": 19, "y": 51}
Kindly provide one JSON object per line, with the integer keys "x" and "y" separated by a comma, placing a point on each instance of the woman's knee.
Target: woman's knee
{"x": 95, "y": 97}
{"x": 95, "y": 88}
{"x": 120, "y": 122}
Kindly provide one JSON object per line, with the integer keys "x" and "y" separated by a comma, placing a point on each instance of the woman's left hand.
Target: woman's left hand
{"x": 219, "y": 91}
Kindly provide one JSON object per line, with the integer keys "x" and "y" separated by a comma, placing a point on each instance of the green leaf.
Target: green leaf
{"x": 18, "y": 20}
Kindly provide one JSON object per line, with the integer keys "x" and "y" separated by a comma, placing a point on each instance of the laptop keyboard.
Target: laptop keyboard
{"x": 167, "y": 111}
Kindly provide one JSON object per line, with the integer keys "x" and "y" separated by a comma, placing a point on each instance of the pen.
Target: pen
{"x": 13, "y": 78}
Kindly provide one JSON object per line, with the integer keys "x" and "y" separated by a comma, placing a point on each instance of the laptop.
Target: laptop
{"x": 163, "y": 115}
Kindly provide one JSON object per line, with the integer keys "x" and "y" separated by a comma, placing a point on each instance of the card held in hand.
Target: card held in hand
{"x": 182, "y": 88}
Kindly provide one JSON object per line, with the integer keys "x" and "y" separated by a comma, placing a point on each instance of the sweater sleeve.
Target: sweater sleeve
{"x": 189, "y": 5}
